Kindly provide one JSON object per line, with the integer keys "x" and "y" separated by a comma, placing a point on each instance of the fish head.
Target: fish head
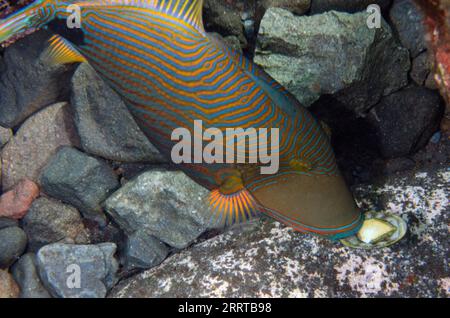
{"x": 25, "y": 21}
{"x": 318, "y": 204}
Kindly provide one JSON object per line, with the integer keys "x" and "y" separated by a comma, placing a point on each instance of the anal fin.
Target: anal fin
{"x": 60, "y": 51}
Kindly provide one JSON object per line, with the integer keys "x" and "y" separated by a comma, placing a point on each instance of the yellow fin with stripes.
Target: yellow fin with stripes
{"x": 190, "y": 11}
{"x": 61, "y": 51}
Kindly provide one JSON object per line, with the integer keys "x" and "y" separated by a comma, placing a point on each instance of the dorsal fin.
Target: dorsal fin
{"x": 190, "y": 11}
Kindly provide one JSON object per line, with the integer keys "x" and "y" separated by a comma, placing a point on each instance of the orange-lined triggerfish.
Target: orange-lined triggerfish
{"x": 157, "y": 56}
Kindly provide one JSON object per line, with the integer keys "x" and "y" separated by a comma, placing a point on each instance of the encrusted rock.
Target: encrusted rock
{"x": 408, "y": 22}
{"x": 26, "y": 276}
{"x": 49, "y": 221}
{"x": 270, "y": 260}
{"x": 78, "y": 271}
{"x": 332, "y": 53}
{"x": 35, "y": 142}
{"x": 8, "y": 287}
{"x": 27, "y": 83}
{"x": 80, "y": 180}
{"x": 105, "y": 125}
{"x": 12, "y": 244}
{"x": 143, "y": 251}
{"x": 167, "y": 204}
{"x": 15, "y": 203}
{"x": 421, "y": 69}
{"x": 405, "y": 121}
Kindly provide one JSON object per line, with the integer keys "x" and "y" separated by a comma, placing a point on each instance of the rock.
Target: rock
{"x": 320, "y": 6}
{"x": 224, "y": 17}
{"x": 166, "y": 204}
{"x": 295, "y": 6}
{"x": 28, "y": 84}
{"x": 332, "y": 53}
{"x": 49, "y": 221}
{"x": 78, "y": 271}
{"x": 15, "y": 203}
{"x": 8, "y": 287}
{"x": 270, "y": 260}
{"x": 105, "y": 125}
{"x": 7, "y": 222}
{"x": 407, "y": 20}
{"x": 35, "y": 142}
{"x": 421, "y": 68}
{"x": 13, "y": 242}
{"x": 143, "y": 251}
{"x": 5, "y": 136}
{"x": 26, "y": 276}
{"x": 80, "y": 180}
{"x": 405, "y": 121}
{"x": 233, "y": 42}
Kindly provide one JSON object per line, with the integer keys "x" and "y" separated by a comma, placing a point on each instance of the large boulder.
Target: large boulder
{"x": 27, "y": 82}
{"x": 405, "y": 121}
{"x": 105, "y": 125}
{"x": 332, "y": 53}
{"x": 80, "y": 180}
{"x": 78, "y": 271}
{"x": 270, "y": 260}
{"x": 35, "y": 142}
{"x": 167, "y": 204}
{"x": 408, "y": 22}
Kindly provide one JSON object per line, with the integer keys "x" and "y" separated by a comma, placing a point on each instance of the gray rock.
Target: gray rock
{"x": 225, "y": 18}
{"x": 49, "y": 221}
{"x": 105, "y": 125}
{"x": 294, "y": 6}
{"x": 27, "y": 83}
{"x": 408, "y": 22}
{"x": 60, "y": 264}
{"x": 166, "y": 204}
{"x": 320, "y": 6}
{"x": 332, "y": 53}
{"x": 7, "y": 222}
{"x": 13, "y": 242}
{"x": 270, "y": 260}
{"x": 421, "y": 68}
{"x": 405, "y": 121}
{"x": 26, "y": 276}
{"x": 80, "y": 180}
{"x": 143, "y": 251}
{"x": 5, "y": 136}
{"x": 35, "y": 142}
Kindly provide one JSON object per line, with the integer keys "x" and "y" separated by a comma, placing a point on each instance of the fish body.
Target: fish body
{"x": 171, "y": 73}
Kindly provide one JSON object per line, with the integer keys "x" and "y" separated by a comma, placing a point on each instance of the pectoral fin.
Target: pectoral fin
{"x": 60, "y": 51}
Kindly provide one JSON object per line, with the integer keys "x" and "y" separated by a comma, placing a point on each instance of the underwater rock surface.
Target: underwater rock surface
{"x": 330, "y": 53}
{"x": 27, "y": 83}
{"x": 35, "y": 142}
{"x": 104, "y": 124}
{"x": 268, "y": 259}
{"x": 95, "y": 264}
{"x": 167, "y": 204}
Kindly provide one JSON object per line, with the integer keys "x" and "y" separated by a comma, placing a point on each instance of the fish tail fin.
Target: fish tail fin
{"x": 234, "y": 208}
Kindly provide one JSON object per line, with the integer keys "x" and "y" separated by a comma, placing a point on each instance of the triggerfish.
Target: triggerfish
{"x": 171, "y": 73}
